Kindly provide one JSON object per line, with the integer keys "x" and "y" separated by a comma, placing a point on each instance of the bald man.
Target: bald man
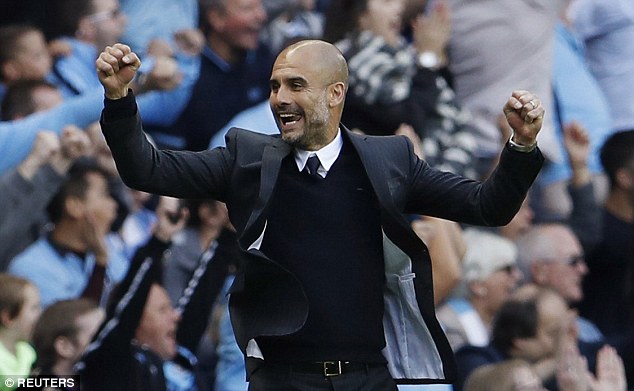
{"x": 316, "y": 305}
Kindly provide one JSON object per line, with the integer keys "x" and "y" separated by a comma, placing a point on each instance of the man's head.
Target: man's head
{"x": 23, "y": 54}
{"x": 206, "y": 214}
{"x": 158, "y": 325}
{"x": 19, "y": 306}
{"x": 529, "y": 325}
{"x": 98, "y": 22}
{"x": 308, "y": 89}
{"x": 64, "y": 330}
{"x": 381, "y": 17}
{"x": 490, "y": 271}
{"x": 84, "y": 195}
{"x": 617, "y": 158}
{"x": 232, "y": 27}
{"x": 508, "y": 375}
{"x": 551, "y": 256}
{"x": 26, "y": 97}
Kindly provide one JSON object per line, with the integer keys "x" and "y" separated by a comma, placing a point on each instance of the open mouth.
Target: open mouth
{"x": 288, "y": 119}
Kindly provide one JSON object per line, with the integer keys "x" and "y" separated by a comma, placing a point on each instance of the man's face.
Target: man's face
{"x": 564, "y": 272}
{"x": 33, "y": 61}
{"x": 24, "y": 322}
{"x": 157, "y": 329}
{"x": 553, "y": 315}
{"x": 87, "y": 325}
{"x": 499, "y": 286}
{"x": 240, "y": 23}
{"x": 299, "y": 101}
{"x": 108, "y": 21}
{"x": 98, "y": 202}
{"x": 383, "y": 18}
{"x": 45, "y": 98}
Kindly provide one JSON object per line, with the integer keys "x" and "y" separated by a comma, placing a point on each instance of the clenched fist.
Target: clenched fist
{"x": 116, "y": 67}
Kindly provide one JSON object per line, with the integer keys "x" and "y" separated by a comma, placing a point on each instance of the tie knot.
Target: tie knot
{"x": 313, "y": 164}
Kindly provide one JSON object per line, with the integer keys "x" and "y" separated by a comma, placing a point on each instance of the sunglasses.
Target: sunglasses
{"x": 571, "y": 261}
{"x": 508, "y": 269}
{"x": 105, "y": 15}
{"x": 575, "y": 260}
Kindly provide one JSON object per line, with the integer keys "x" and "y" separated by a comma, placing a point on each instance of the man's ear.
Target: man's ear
{"x": 337, "y": 94}
{"x": 64, "y": 347}
{"x": 10, "y": 71}
{"x": 74, "y": 207}
{"x": 5, "y": 318}
{"x": 216, "y": 19}
{"x": 539, "y": 273}
{"x": 624, "y": 178}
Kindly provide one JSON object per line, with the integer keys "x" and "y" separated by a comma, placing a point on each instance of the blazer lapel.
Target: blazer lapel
{"x": 271, "y": 163}
{"x": 392, "y": 217}
{"x": 373, "y": 168}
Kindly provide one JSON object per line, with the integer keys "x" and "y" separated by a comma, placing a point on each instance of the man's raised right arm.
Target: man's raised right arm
{"x": 181, "y": 174}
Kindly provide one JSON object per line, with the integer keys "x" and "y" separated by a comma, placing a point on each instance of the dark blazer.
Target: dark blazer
{"x": 267, "y": 299}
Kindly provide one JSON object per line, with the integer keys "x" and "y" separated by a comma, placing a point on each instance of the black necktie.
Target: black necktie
{"x": 313, "y": 164}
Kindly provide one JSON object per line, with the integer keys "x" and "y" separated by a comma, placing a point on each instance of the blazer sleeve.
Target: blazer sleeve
{"x": 182, "y": 174}
{"x": 492, "y": 202}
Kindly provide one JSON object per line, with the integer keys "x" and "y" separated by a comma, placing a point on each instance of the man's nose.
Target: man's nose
{"x": 176, "y": 315}
{"x": 582, "y": 267}
{"x": 282, "y": 96}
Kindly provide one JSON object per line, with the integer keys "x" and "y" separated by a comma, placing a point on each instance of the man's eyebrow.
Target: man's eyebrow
{"x": 289, "y": 80}
{"x": 296, "y": 79}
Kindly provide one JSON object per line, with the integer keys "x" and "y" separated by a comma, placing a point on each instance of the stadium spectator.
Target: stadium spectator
{"x": 19, "y": 310}
{"x": 75, "y": 260}
{"x": 26, "y": 191}
{"x": 489, "y": 277}
{"x": 62, "y": 333}
{"x": 145, "y": 342}
{"x": 234, "y": 70}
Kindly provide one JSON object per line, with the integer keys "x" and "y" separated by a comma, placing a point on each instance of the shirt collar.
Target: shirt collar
{"x": 327, "y": 155}
{"x": 64, "y": 251}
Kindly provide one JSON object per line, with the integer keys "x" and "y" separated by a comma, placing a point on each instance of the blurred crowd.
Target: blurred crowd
{"x": 96, "y": 277}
